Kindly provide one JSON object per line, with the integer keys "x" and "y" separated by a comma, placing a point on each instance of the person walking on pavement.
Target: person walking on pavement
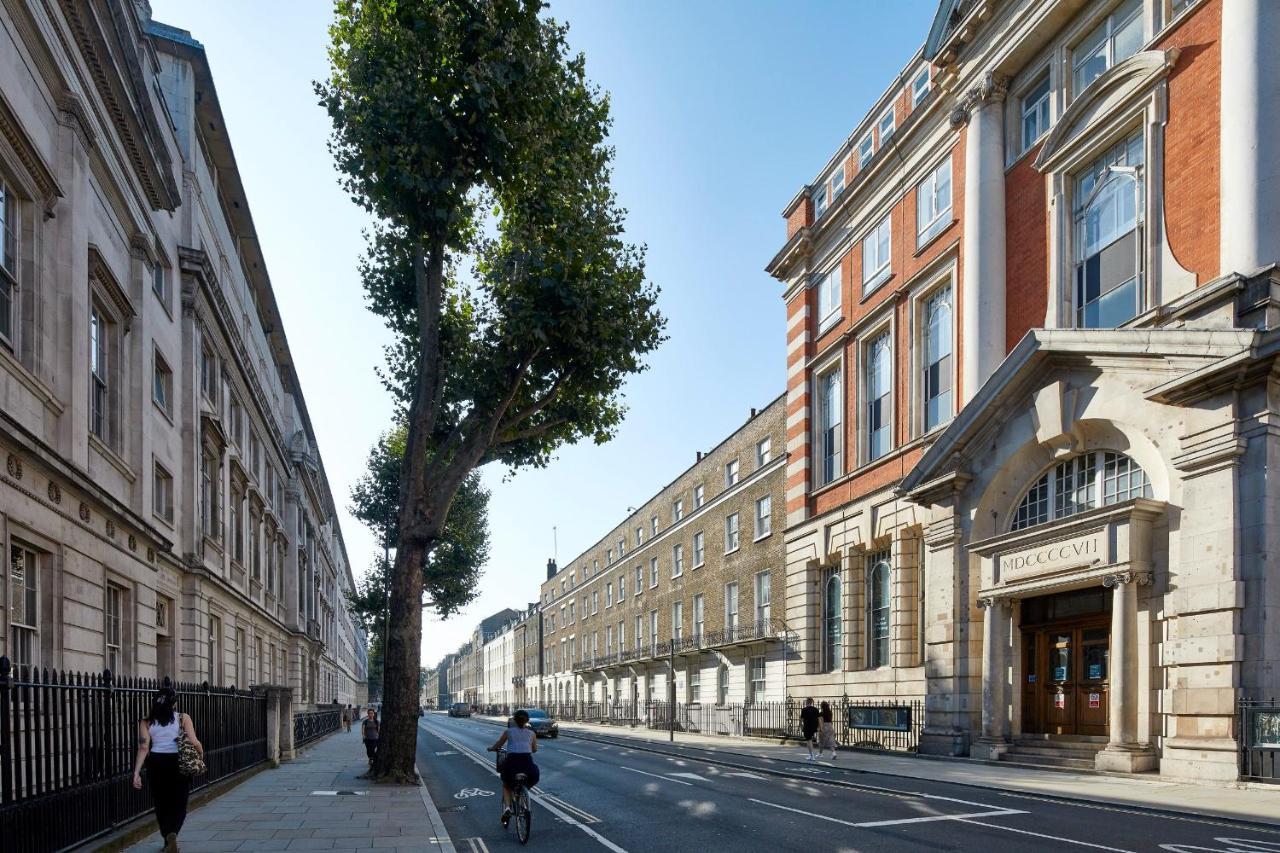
{"x": 158, "y": 736}
{"x": 369, "y": 734}
{"x": 827, "y": 736}
{"x": 809, "y": 725}
{"x": 346, "y": 718}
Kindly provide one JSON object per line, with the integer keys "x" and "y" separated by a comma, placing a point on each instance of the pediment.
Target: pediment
{"x": 1123, "y": 84}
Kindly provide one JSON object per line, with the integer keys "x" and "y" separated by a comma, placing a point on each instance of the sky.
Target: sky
{"x": 722, "y": 110}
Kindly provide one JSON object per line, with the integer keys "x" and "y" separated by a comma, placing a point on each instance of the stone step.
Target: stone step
{"x": 1048, "y": 761}
{"x": 1101, "y": 740}
{"x": 1053, "y": 752}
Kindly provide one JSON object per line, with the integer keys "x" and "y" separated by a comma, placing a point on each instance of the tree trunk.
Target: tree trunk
{"x": 402, "y": 656}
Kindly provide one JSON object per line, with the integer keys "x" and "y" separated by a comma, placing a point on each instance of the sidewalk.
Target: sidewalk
{"x": 1253, "y": 803}
{"x": 282, "y": 809}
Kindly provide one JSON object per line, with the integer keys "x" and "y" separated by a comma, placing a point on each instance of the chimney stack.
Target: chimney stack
{"x": 753, "y": 412}
{"x": 699, "y": 459}
{"x": 551, "y": 569}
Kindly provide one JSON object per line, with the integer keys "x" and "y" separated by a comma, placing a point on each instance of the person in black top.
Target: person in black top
{"x": 809, "y": 725}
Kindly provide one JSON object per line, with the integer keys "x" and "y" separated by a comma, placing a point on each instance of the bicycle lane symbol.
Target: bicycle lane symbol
{"x": 468, "y": 793}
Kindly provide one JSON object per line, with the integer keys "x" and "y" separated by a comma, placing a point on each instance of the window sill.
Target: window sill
{"x": 762, "y": 537}
{"x": 733, "y": 550}
{"x": 880, "y": 280}
{"x": 699, "y": 565}
{"x": 168, "y": 416}
{"x": 829, "y": 322}
{"x": 929, "y": 240}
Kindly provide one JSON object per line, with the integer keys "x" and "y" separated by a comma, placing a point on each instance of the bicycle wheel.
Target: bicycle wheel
{"x": 522, "y": 816}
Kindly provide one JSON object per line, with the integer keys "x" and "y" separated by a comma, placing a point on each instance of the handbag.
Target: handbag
{"x": 189, "y": 761}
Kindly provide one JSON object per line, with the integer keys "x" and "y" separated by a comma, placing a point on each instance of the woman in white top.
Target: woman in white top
{"x": 521, "y": 744}
{"x": 158, "y": 750}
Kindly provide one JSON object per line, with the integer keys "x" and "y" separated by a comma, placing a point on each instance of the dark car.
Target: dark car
{"x": 459, "y": 709}
{"x": 542, "y": 725}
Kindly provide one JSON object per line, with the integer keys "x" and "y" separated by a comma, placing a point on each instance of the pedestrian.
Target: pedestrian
{"x": 346, "y": 719}
{"x": 827, "y": 732}
{"x": 158, "y": 735}
{"x": 369, "y": 733}
{"x": 809, "y": 725}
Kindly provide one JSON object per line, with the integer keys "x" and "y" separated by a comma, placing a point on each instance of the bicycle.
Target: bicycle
{"x": 521, "y": 815}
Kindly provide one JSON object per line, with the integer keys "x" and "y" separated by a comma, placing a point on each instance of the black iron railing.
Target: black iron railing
{"x": 1259, "y": 736}
{"x": 311, "y": 725}
{"x": 67, "y": 747}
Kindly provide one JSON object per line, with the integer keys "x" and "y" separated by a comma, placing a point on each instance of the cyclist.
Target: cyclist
{"x": 521, "y": 743}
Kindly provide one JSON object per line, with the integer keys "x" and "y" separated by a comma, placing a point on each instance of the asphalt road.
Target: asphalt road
{"x": 599, "y": 794}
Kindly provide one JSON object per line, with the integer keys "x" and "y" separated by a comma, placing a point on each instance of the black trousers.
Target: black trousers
{"x": 371, "y": 748}
{"x": 169, "y": 791}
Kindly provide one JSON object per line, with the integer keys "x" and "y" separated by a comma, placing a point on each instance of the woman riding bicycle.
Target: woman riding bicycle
{"x": 521, "y": 743}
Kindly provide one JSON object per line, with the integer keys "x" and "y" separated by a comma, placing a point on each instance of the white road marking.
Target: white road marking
{"x": 467, "y": 793}
{"x": 534, "y": 795}
{"x": 935, "y": 818}
{"x": 447, "y": 752}
{"x": 655, "y": 776}
{"x": 744, "y": 775}
{"x": 477, "y": 845}
{"x": 689, "y": 776}
{"x": 584, "y": 816}
{"x": 576, "y": 755}
{"x": 1050, "y": 837}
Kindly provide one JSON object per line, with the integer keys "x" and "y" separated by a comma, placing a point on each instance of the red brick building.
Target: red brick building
{"x": 1031, "y": 307}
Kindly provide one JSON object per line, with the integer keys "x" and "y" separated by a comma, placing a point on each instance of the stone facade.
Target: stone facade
{"x": 1022, "y": 486}
{"x": 672, "y": 575}
{"x": 164, "y": 510}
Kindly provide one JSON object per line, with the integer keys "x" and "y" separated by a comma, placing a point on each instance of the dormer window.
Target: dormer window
{"x": 1113, "y": 40}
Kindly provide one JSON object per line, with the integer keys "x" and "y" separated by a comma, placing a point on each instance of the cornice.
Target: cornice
{"x": 29, "y": 158}
{"x": 101, "y": 273}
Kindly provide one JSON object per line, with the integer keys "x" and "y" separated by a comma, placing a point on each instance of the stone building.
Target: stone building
{"x": 163, "y": 507}
{"x": 690, "y": 577}
{"x": 527, "y": 667}
{"x": 1032, "y": 306}
{"x": 467, "y": 674}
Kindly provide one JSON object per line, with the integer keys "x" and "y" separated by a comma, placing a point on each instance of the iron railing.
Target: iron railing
{"x": 311, "y": 725}
{"x": 67, "y": 747}
{"x": 1259, "y": 736}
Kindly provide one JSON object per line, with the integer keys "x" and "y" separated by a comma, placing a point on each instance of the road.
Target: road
{"x": 600, "y": 794}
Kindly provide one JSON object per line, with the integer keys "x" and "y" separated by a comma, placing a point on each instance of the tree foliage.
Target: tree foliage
{"x": 499, "y": 261}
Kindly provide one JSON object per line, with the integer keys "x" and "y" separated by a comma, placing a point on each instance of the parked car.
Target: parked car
{"x": 459, "y": 709}
{"x": 542, "y": 725}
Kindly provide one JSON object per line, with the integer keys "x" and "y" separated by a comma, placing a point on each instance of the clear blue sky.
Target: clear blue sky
{"x": 722, "y": 110}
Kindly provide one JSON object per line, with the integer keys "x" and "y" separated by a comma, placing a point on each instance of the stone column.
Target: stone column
{"x": 983, "y": 273}
{"x": 995, "y": 663}
{"x": 1123, "y": 753}
{"x": 1249, "y": 230}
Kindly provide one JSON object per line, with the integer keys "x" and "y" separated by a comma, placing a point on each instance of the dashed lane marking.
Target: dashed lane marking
{"x": 576, "y": 755}
{"x": 875, "y": 823}
{"x": 656, "y": 776}
{"x": 1050, "y": 837}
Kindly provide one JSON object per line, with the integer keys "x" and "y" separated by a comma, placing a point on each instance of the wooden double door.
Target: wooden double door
{"x": 1066, "y": 670}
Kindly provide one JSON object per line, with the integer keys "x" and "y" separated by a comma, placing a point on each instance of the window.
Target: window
{"x": 210, "y": 478}
{"x": 764, "y": 451}
{"x": 695, "y": 685}
{"x": 639, "y": 632}
{"x": 608, "y": 595}
{"x": 653, "y": 630}
{"x": 919, "y": 86}
{"x": 731, "y": 609}
{"x": 677, "y": 561}
{"x": 764, "y": 598}
{"x": 875, "y": 257}
{"x": 677, "y": 621}
{"x": 1114, "y": 40}
{"x": 879, "y": 382}
{"x": 639, "y": 579}
{"x": 608, "y": 640}
{"x": 158, "y": 283}
{"x": 699, "y": 495}
{"x": 8, "y": 263}
{"x": 653, "y": 526}
{"x": 237, "y": 525}
{"x": 936, "y": 381}
{"x": 242, "y": 658}
{"x": 885, "y": 126}
{"x": 829, "y": 441}
{"x": 595, "y": 602}
{"x": 731, "y": 532}
{"x": 595, "y": 567}
{"x": 731, "y": 473}
{"x": 24, "y": 604}
{"x": 1074, "y": 485}
{"x": 639, "y": 535}
{"x": 866, "y": 148}
{"x": 99, "y": 382}
{"x": 1034, "y": 108}
{"x": 622, "y": 547}
{"x": 677, "y": 510}
{"x": 209, "y": 375}
{"x": 653, "y": 572}
{"x": 162, "y": 492}
{"x": 1107, "y": 211}
{"x": 828, "y": 286}
{"x": 722, "y": 684}
{"x": 837, "y": 182}
{"x": 820, "y": 201}
{"x": 113, "y": 629}
{"x": 757, "y": 679}
{"x": 699, "y": 549}
{"x": 608, "y": 557}
{"x": 878, "y": 611}
{"x": 832, "y": 624}
{"x": 764, "y": 516}
{"x": 622, "y": 588}
{"x": 933, "y": 203}
{"x": 699, "y": 617}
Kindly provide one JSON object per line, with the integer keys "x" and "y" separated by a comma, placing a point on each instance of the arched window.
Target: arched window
{"x": 936, "y": 382}
{"x": 722, "y": 684}
{"x": 1101, "y": 478}
{"x": 878, "y": 611}
{"x": 832, "y": 625}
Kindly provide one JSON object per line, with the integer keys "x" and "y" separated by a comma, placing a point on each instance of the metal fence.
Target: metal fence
{"x": 859, "y": 723}
{"x": 1259, "y": 734}
{"x": 311, "y": 725}
{"x": 67, "y": 746}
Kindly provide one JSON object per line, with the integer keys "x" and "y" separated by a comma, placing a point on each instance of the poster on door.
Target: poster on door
{"x": 1059, "y": 700}
{"x": 1095, "y": 700}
